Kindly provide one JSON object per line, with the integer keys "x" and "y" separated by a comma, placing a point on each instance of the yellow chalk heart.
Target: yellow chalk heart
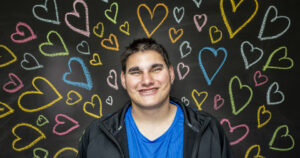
{"x": 14, "y": 58}
{"x": 234, "y": 8}
{"x": 214, "y": 30}
{"x": 125, "y": 28}
{"x": 38, "y": 92}
{"x": 96, "y": 60}
{"x": 92, "y": 104}
{"x": 262, "y": 110}
{"x": 64, "y": 149}
{"x": 71, "y": 100}
{"x": 99, "y": 28}
{"x": 199, "y": 104}
{"x": 31, "y": 127}
{"x": 257, "y": 151}
{"x": 10, "y": 110}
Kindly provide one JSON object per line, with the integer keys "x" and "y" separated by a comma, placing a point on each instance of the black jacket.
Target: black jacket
{"x": 203, "y": 136}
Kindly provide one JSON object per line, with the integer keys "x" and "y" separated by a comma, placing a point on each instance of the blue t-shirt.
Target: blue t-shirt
{"x": 168, "y": 145}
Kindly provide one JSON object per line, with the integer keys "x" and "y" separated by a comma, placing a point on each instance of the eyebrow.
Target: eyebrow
{"x": 136, "y": 68}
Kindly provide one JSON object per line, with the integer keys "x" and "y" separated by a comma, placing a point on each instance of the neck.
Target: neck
{"x": 153, "y": 122}
{"x": 154, "y": 115}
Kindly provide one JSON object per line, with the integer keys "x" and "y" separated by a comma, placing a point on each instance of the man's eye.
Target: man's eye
{"x": 157, "y": 69}
{"x": 135, "y": 72}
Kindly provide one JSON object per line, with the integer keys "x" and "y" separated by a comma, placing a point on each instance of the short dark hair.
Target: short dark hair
{"x": 140, "y": 45}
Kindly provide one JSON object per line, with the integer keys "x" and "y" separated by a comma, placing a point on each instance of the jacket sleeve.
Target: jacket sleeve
{"x": 82, "y": 147}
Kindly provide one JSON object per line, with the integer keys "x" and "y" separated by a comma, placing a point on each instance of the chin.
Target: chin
{"x": 150, "y": 103}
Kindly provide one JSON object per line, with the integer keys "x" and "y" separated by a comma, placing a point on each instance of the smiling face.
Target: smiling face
{"x": 147, "y": 79}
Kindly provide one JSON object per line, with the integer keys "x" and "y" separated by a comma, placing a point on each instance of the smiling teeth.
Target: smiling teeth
{"x": 148, "y": 91}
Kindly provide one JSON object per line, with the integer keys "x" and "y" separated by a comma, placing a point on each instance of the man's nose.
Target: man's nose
{"x": 147, "y": 79}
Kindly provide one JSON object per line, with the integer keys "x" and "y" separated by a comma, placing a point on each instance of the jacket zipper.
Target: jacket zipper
{"x": 113, "y": 139}
{"x": 198, "y": 139}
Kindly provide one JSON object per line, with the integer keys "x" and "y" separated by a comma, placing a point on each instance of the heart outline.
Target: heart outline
{"x": 233, "y": 106}
{"x": 233, "y": 33}
{"x": 93, "y": 105}
{"x": 126, "y": 26}
{"x": 10, "y": 53}
{"x": 267, "y": 65}
{"x": 40, "y": 149}
{"x": 109, "y": 100}
{"x": 21, "y": 33}
{"x": 199, "y": 105}
{"x": 276, "y": 91}
{"x": 257, "y": 153}
{"x": 64, "y": 149}
{"x": 86, "y": 85}
{"x": 180, "y": 76}
{"x": 231, "y": 130}
{"x": 57, "y": 22}
{"x": 42, "y": 136}
{"x": 247, "y": 65}
{"x": 112, "y": 42}
{"x": 62, "y": 123}
{"x": 188, "y": 47}
{"x": 43, "y": 122}
{"x": 258, "y": 74}
{"x": 151, "y": 16}
{"x": 83, "y": 44}
{"x": 262, "y": 28}
{"x": 215, "y": 53}
{"x": 95, "y": 28}
{"x": 115, "y": 84}
{"x": 218, "y": 98}
{"x": 197, "y": 3}
{"x": 12, "y": 81}
{"x": 271, "y": 143}
{"x": 198, "y": 17}
{"x": 177, "y": 10}
{"x": 37, "y": 91}
{"x": 49, "y": 43}
{"x": 68, "y": 101}
{"x": 25, "y": 60}
{"x": 113, "y": 20}
{"x": 173, "y": 30}
{"x": 10, "y": 110}
{"x": 95, "y": 61}
{"x": 262, "y": 110}
{"x": 76, "y": 14}
{"x": 213, "y": 41}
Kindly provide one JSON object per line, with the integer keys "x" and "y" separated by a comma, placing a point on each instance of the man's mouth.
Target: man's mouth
{"x": 148, "y": 91}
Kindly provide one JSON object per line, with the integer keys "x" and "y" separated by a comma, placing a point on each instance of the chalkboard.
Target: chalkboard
{"x": 60, "y": 70}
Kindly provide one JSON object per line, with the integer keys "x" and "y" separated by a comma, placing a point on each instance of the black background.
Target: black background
{"x": 285, "y": 113}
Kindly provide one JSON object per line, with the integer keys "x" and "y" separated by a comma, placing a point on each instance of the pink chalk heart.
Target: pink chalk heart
{"x": 58, "y": 121}
{"x": 182, "y": 67}
{"x": 233, "y": 129}
{"x": 20, "y": 36}
{"x": 218, "y": 102}
{"x": 112, "y": 76}
{"x": 14, "y": 84}
{"x": 196, "y": 21}
{"x": 78, "y": 15}
{"x": 259, "y": 79}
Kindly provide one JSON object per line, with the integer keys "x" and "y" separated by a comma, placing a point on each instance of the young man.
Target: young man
{"x": 152, "y": 124}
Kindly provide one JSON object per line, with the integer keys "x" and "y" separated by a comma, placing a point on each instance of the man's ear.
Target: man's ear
{"x": 172, "y": 74}
{"x": 123, "y": 80}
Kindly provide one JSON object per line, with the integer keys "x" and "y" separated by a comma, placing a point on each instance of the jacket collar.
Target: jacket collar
{"x": 115, "y": 122}
{"x": 194, "y": 126}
